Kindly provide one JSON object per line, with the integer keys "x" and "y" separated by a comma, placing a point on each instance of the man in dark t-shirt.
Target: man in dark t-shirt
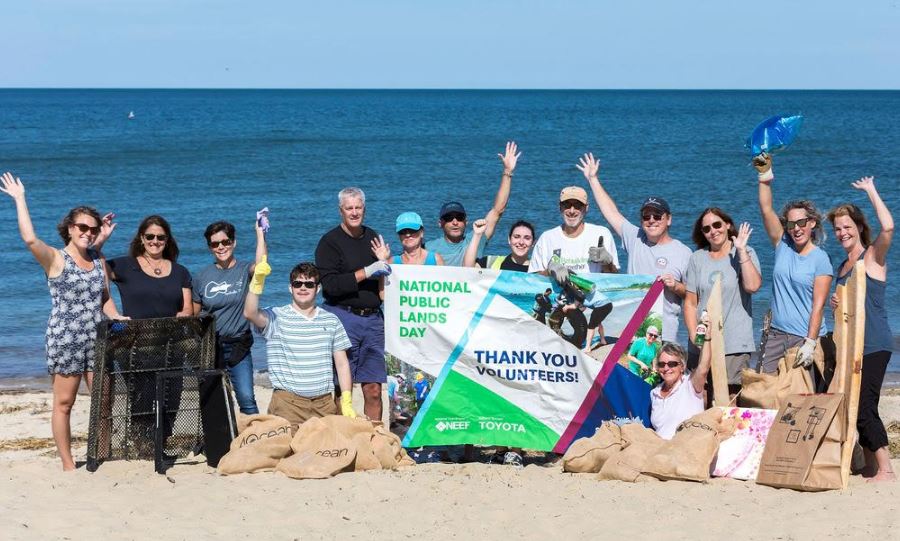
{"x": 352, "y": 260}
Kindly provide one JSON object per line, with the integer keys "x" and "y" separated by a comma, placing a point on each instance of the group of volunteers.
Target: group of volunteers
{"x": 308, "y": 345}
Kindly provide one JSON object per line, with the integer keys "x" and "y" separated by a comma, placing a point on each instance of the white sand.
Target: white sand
{"x": 127, "y": 500}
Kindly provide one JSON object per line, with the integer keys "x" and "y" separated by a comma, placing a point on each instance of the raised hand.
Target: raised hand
{"x": 12, "y": 186}
{"x": 106, "y": 229}
{"x": 589, "y": 166}
{"x": 510, "y": 157}
{"x": 479, "y": 226}
{"x": 744, "y": 231}
{"x": 762, "y": 163}
{"x": 866, "y": 184}
{"x": 380, "y": 249}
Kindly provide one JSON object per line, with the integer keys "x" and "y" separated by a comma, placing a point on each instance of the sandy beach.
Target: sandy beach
{"x": 466, "y": 501}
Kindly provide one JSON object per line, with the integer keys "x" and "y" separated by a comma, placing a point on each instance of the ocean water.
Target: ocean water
{"x": 196, "y": 156}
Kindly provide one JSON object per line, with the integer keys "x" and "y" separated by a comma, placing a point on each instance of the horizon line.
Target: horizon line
{"x": 456, "y": 89}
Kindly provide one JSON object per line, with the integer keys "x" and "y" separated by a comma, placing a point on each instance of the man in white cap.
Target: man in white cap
{"x": 650, "y": 248}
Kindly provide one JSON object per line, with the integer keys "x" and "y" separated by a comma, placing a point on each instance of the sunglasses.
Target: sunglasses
{"x": 454, "y": 216}
{"x": 409, "y": 232}
{"x": 151, "y": 237}
{"x": 715, "y": 225}
{"x": 577, "y": 205}
{"x": 791, "y": 224}
{"x": 84, "y": 228}
{"x": 308, "y": 284}
{"x": 216, "y": 243}
{"x": 655, "y": 216}
{"x": 670, "y": 364}
{"x": 650, "y": 334}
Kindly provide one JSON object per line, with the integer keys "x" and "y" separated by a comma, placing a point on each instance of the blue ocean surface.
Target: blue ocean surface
{"x": 196, "y": 156}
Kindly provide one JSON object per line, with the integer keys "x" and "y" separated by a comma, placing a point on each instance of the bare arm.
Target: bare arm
{"x": 478, "y": 228}
{"x": 590, "y": 167}
{"x": 771, "y": 221}
{"x": 109, "y": 306}
{"x": 882, "y": 242}
{"x": 252, "y": 312}
{"x": 342, "y": 367}
{"x": 821, "y": 287}
{"x": 262, "y": 249}
{"x": 49, "y": 259}
{"x": 751, "y": 280}
{"x": 690, "y": 314}
{"x": 698, "y": 376}
{"x": 187, "y": 307}
{"x": 509, "y": 159}
{"x": 439, "y": 259}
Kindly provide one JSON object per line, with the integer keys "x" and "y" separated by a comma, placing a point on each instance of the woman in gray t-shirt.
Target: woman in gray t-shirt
{"x": 722, "y": 251}
{"x": 220, "y": 289}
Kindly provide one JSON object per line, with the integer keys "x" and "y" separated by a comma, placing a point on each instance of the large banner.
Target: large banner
{"x": 501, "y": 346}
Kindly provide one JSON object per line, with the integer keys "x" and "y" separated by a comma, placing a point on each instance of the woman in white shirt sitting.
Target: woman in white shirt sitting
{"x": 680, "y": 395}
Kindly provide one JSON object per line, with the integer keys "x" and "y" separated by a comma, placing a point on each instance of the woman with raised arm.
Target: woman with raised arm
{"x": 801, "y": 276}
{"x": 76, "y": 276}
{"x": 853, "y": 232}
{"x": 722, "y": 251}
{"x": 220, "y": 289}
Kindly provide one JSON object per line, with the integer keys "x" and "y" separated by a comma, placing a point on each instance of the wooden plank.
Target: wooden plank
{"x": 717, "y": 346}
{"x": 853, "y": 313}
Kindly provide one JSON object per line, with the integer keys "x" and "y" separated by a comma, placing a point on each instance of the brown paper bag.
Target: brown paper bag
{"x": 365, "y": 452}
{"x": 803, "y": 448}
{"x": 639, "y": 443}
{"x": 587, "y": 455}
{"x": 769, "y": 391}
{"x": 319, "y": 452}
{"x": 349, "y": 427}
{"x": 387, "y": 448}
{"x": 264, "y": 441}
{"x": 689, "y": 455}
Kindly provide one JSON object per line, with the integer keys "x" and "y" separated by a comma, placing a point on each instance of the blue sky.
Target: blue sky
{"x": 458, "y": 44}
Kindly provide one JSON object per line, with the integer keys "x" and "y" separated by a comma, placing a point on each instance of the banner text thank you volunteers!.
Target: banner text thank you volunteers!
{"x": 526, "y": 365}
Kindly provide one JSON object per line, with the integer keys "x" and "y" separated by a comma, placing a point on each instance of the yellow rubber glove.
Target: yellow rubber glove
{"x": 258, "y": 282}
{"x": 347, "y": 404}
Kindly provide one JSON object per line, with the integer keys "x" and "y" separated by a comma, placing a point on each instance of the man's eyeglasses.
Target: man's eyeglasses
{"x": 715, "y": 225}
{"x": 84, "y": 228}
{"x": 152, "y": 237}
{"x": 655, "y": 216}
{"x": 216, "y": 243}
{"x": 308, "y": 284}
{"x": 454, "y": 216}
{"x": 577, "y": 205}
{"x": 791, "y": 224}
{"x": 670, "y": 364}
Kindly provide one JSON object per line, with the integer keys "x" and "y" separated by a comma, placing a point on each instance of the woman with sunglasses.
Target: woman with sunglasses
{"x": 722, "y": 252}
{"x": 678, "y": 396}
{"x": 220, "y": 289}
{"x": 150, "y": 281}
{"x": 77, "y": 272}
{"x": 411, "y": 231}
{"x": 801, "y": 275}
{"x": 855, "y": 236}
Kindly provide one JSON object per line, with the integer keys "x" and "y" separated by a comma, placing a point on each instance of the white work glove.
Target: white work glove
{"x": 599, "y": 254}
{"x": 805, "y": 355}
{"x": 377, "y": 270}
{"x": 558, "y": 272}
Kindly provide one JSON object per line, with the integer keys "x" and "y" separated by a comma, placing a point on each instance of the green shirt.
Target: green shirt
{"x": 643, "y": 351}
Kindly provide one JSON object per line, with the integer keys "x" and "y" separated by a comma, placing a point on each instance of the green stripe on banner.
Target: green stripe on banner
{"x": 466, "y": 412}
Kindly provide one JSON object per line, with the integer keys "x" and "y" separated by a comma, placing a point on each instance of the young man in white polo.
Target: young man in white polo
{"x": 304, "y": 346}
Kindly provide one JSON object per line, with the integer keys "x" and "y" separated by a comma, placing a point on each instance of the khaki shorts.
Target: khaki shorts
{"x": 734, "y": 364}
{"x": 298, "y": 409}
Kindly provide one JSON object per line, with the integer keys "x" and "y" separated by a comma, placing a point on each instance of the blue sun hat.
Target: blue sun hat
{"x": 409, "y": 220}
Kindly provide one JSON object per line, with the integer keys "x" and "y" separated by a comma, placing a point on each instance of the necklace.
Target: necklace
{"x": 156, "y": 270}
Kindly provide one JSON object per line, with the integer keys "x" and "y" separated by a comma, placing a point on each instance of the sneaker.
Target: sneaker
{"x": 512, "y": 459}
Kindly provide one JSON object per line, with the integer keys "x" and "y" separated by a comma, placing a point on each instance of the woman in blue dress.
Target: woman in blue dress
{"x": 77, "y": 278}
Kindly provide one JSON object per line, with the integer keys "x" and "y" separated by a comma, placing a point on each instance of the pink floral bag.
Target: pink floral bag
{"x": 739, "y": 456}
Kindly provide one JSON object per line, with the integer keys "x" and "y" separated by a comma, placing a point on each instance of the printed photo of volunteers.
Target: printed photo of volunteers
{"x": 351, "y": 260}
{"x": 305, "y": 347}
{"x": 650, "y": 248}
{"x": 801, "y": 275}
{"x": 452, "y": 243}
{"x": 723, "y": 253}
{"x": 220, "y": 289}
{"x": 854, "y": 234}
{"x": 77, "y": 271}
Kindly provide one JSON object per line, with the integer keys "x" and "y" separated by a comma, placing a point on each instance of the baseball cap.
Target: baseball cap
{"x": 573, "y": 192}
{"x": 657, "y": 203}
{"x": 450, "y": 207}
{"x": 409, "y": 220}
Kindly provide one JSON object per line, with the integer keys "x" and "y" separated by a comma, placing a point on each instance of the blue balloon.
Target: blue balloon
{"x": 773, "y": 134}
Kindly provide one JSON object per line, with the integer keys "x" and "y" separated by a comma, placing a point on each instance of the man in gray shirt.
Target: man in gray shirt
{"x": 650, "y": 249}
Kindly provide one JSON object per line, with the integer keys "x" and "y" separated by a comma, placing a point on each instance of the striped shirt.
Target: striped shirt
{"x": 299, "y": 350}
